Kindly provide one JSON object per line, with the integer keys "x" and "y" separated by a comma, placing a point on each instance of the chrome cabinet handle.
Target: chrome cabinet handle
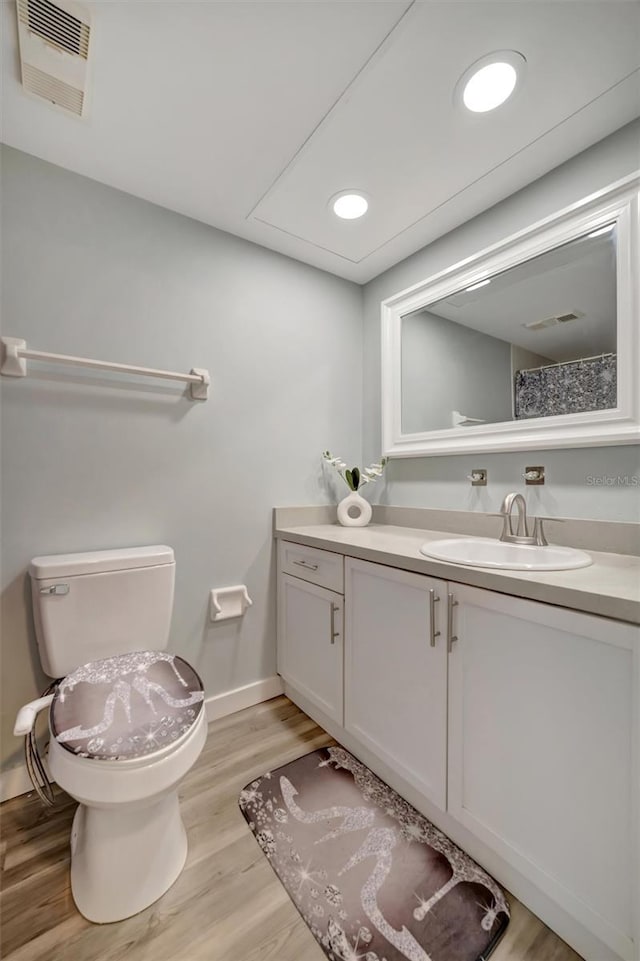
{"x": 310, "y": 567}
{"x": 451, "y": 637}
{"x": 433, "y": 600}
{"x": 334, "y": 633}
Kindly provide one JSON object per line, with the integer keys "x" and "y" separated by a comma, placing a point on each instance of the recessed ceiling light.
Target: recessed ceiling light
{"x": 490, "y": 81}
{"x": 601, "y": 231}
{"x": 481, "y": 283}
{"x": 349, "y": 204}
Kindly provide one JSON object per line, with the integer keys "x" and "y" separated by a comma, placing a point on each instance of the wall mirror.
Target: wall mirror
{"x": 532, "y": 343}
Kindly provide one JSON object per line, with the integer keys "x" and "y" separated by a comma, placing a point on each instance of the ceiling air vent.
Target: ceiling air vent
{"x": 54, "y": 51}
{"x": 554, "y": 321}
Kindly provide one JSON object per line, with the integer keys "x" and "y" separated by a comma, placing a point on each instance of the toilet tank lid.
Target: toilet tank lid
{"x": 97, "y": 562}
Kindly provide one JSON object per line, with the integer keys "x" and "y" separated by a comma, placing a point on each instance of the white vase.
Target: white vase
{"x": 354, "y": 511}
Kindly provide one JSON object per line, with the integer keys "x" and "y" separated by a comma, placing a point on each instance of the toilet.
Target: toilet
{"x": 126, "y": 721}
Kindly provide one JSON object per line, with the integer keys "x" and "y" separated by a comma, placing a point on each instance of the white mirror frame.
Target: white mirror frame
{"x": 621, "y": 425}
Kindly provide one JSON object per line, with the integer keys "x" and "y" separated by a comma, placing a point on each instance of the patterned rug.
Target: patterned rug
{"x": 372, "y": 878}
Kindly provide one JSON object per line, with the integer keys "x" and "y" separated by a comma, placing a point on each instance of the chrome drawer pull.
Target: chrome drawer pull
{"x": 309, "y": 567}
{"x": 451, "y": 637}
{"x": 433, "y": 600}
{"x": 334, "y": 633}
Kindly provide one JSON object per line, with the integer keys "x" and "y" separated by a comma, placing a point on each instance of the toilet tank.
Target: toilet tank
{"x": 100, "y": 603}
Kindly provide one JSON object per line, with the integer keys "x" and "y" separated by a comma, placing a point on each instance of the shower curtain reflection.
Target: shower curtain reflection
{"x": 566, "y": 388}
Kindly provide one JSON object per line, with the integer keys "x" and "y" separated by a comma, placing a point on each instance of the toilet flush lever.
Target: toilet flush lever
{"x": 27, "y": 715}
{"x": 55, "y": 589}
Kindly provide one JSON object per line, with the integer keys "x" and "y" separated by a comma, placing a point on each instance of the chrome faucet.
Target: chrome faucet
{"x": 521, "y": 535}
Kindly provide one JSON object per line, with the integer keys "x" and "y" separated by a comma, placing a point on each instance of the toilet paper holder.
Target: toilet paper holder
{"x": 228, "y": 602}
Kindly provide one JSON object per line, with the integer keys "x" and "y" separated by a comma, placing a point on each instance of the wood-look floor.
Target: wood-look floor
{"x": 227, "y": 905}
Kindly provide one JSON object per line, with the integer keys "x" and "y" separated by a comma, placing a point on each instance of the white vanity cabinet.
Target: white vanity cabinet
{"x": 541, "y": 750}
{"x": 310, "y": 626}
{"x": 513, "y": 724}
{"x": 395, "y": 682}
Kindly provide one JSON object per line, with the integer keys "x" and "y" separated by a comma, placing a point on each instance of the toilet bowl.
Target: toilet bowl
{"x": 125, "y": 726}
{"x": 128, "y": 842}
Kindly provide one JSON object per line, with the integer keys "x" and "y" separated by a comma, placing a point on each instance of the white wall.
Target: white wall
{"x": 91, "y": 271}
{"x": 573, "y": 476}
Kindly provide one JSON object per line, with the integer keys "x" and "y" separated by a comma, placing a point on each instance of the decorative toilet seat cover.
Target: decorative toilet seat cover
{"x": 127, "y": 706}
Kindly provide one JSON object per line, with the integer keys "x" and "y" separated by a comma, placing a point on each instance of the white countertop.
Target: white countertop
{"x": 610, "y": 586}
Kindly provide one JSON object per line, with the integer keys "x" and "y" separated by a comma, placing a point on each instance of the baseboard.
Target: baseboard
{"x": 220, "y": 705}
{"x": 16, "y": 780}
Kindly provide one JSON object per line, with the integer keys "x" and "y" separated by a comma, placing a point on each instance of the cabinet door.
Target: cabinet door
{"x": 310, "y": 647}
{"x": 395, "y": 679}
{"x": 541, "y": 715}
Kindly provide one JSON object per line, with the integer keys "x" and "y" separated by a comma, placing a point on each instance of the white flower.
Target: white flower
{"x": 366, "y": 475}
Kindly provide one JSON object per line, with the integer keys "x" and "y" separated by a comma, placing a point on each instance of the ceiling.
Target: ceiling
{"x": 250, "y": 115}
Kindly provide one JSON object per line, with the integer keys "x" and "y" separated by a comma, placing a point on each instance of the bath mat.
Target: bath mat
{"x": 373, "y": 879}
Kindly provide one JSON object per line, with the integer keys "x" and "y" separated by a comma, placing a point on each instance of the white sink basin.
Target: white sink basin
{"x": 485, "y": 552}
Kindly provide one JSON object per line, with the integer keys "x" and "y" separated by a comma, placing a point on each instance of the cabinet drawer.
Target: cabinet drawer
{"x": 319, "y": 567}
